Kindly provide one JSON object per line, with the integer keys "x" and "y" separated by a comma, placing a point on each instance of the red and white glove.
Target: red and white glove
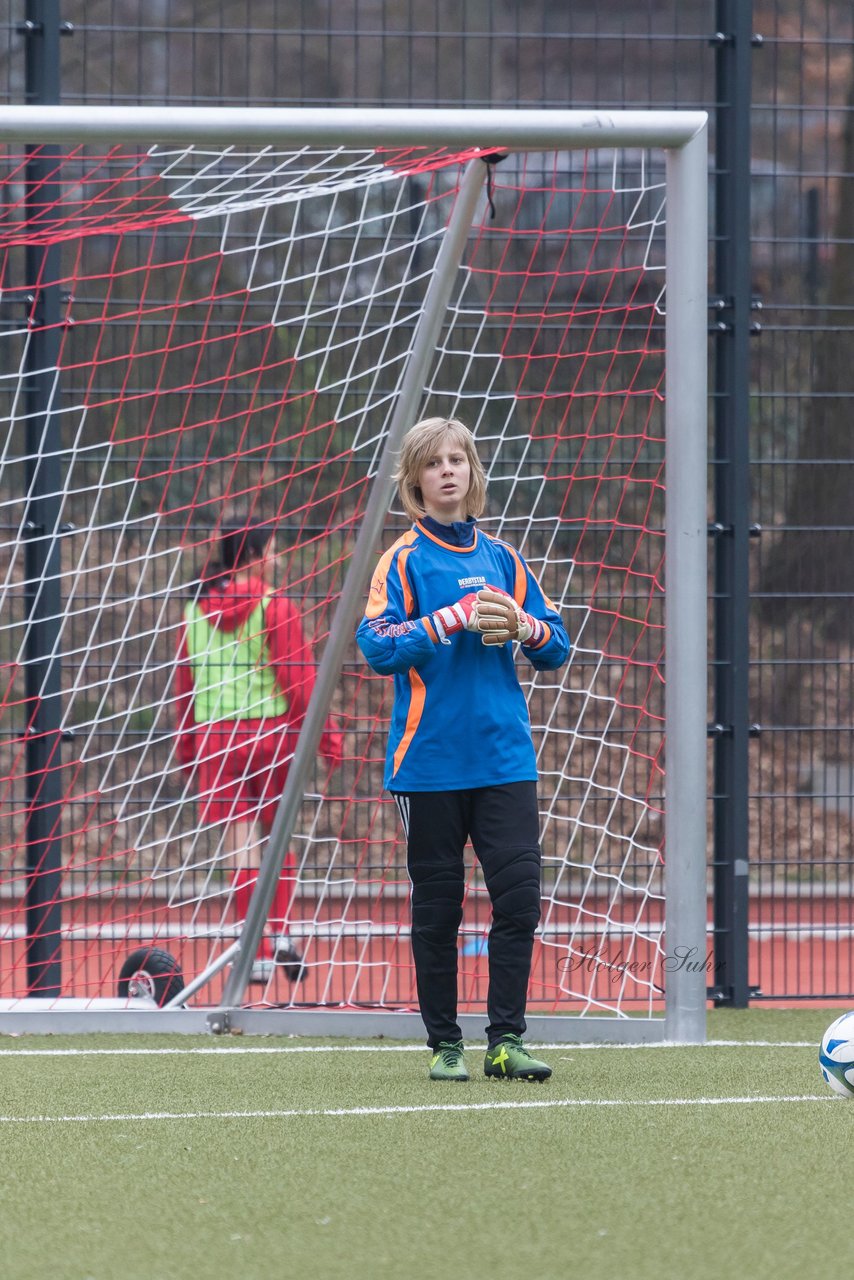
{"x": 499, "y": 619}
{"x": 531, "y": 630}
{"x": 461, "y": 616}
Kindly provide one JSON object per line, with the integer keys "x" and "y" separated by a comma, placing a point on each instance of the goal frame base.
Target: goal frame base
{"x": 115, "y": 1017}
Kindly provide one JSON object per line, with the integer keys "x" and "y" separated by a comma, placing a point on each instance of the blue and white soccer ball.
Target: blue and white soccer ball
{"x": 836, "y": 1055}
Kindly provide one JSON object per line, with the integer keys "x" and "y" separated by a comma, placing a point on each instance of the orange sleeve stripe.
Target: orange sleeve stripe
{"x": 378, "y": 594}
{"x": 408, "y": 598}
{"x": 546, "y": 638}
{"x": 520, "y": 586}
{"x": 520, "y": 581}
{"x": 413, "y": 718}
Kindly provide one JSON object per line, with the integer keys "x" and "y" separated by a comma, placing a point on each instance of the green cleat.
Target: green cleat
{"x": 508, "y": 1059}
{"x": 448, "y": 1062}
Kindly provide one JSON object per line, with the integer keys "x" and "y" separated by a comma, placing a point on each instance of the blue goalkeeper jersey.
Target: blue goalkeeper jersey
{"x": 459, "y": 717}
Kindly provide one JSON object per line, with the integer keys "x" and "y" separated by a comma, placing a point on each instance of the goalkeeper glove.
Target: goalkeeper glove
{"x": 456, "y": 617}
{"x": 499, "y": 619}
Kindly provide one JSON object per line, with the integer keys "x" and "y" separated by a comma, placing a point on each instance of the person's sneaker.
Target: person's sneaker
{"x": 448, "y": 1062}
{"x": 262, "y": 970}
{"x": 508, "y": 1059}
{"x": 288, "y": 958}
{"x": 285, "y": 957}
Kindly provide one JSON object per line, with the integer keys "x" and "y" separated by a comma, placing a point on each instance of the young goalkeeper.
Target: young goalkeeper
{"x": 243, "y": 680}
{"x": 446, "y": 602}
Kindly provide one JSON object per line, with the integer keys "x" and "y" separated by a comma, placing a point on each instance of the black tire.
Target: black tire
{"x": 150, "y": 971}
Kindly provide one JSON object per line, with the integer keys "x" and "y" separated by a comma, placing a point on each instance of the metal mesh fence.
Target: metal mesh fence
{"x": 603, "y": 53}
{"x": 802, "y": 770}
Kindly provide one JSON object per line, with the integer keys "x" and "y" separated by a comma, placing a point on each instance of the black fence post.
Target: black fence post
{"x": 41, "y": 530}
{"x": 731, "y": 323}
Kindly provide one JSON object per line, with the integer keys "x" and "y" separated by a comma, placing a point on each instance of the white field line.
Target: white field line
{"x": 213, "y": 1051}
{"x": 338, "y": 1112}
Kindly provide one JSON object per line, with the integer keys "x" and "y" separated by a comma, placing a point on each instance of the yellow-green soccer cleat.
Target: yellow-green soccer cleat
{"x": 508, "y": 1059}
{"x": 448, "y": 1062}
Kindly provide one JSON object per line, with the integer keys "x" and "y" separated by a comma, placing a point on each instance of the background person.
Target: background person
{"x": 244, "y": 678}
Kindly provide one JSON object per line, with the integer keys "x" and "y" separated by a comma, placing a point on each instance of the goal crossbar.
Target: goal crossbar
{"x": 359, "y": 126}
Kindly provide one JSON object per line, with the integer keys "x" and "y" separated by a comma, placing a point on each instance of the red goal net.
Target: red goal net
{"x": 195, "y": 335}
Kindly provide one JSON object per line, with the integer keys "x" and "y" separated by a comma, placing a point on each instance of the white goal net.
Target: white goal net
{"x": 195, "y": 335}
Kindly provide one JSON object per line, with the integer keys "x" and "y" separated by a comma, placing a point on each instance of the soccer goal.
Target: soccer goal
{"x": 214, "y": 313}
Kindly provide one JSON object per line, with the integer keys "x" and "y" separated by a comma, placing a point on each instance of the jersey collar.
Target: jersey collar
{"x": 432, "y": 529}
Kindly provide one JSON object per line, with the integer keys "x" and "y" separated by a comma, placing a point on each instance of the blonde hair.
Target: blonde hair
{"x": 419, "y": 445}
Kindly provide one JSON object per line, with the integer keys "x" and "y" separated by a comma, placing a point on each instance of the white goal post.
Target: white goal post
{"x": 418, "y": 315}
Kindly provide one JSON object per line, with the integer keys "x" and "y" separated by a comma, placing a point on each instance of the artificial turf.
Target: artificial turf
{"x": 291, "y": 1162}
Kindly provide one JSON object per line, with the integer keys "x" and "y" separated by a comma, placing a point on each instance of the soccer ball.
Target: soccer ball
{"x": 836, "y": 1055}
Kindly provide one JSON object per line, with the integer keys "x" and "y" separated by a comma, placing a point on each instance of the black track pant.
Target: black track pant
{"x": 503, "y": 824}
